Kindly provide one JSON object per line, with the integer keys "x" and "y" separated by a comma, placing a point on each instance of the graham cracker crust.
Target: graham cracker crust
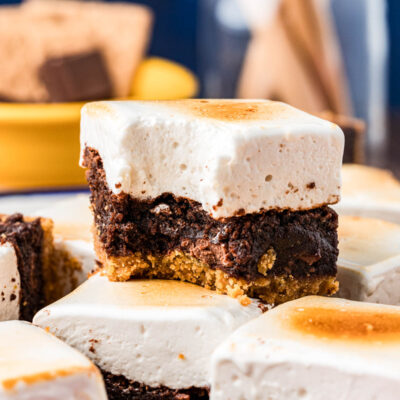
{"x": 274, "y": 289}
{"x": 57, "y": 265}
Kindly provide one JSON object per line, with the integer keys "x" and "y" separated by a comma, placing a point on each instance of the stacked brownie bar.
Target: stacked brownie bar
{"x": 39, "y": 264}
{"x": 232, "y": 195}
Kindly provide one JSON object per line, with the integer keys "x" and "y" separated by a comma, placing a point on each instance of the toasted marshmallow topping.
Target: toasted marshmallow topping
{"x": 369, "y": 192}
{"x": 312, "y": 348}
{"x": 10, "y": 283}
{"x": 72, "y": 232}
{"x": 155, "y": 332}
{"x": 36, "y": 365}
{"x": 369, "y": 260}
{"x": 229, "y": 155}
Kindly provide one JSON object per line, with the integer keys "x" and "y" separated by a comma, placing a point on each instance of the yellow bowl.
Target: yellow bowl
{"x": 39, "y": 143}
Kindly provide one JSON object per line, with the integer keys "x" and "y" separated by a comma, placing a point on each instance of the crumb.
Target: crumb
{"x": 92, "y": 342}
{"x": 244, "y": 300}
{"x": 266, "y": 262}
{"x": 181, "y": 356}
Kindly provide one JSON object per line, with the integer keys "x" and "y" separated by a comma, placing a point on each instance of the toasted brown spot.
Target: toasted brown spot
{"x": 229, "y": 110}
{"x": 239, "y": 212}
{"x": 347, "y": 323}
{"x": 99, "y": 108}
{"x": 219, "y": 204}
{"x": 117, "y": 185}
{"x": 311, "y": 185}
{"x": 9, "y": 384}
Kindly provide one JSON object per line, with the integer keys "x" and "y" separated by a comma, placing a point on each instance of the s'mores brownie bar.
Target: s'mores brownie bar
{"x": 369, "y": 192}
{"x": 152, "y": 339}
{"x": 26, "y": 247}
{"x": 73, "y": 241}
{"x": 228, "y": 194}
{"x": 35, "y": 365}
{"x": 312, "y": 348}
{"x": 369, "y": 260}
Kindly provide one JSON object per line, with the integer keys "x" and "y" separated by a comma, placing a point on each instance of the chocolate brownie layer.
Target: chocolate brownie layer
{"x": 120, "y": 388}
{"x": 27, "y": 239}
{"x": 304, "y": 242}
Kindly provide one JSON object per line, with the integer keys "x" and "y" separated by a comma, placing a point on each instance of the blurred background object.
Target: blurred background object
{"x": 335, "y": 56}
{"x": 317, "y": 55}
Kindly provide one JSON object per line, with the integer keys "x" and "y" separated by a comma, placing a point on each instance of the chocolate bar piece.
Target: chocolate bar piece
{"x": 76, "y": 77}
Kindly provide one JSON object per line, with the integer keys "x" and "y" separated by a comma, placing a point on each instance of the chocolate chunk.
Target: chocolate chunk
{"x": 76, "y": 77}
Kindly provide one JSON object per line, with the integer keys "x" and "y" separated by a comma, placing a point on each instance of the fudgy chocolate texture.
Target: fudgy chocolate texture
{"x": 26, "y": 238}
{"x": 120, "y": 388}
{"x": 305, "y": 242}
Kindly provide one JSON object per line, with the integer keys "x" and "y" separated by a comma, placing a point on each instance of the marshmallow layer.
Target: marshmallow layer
{"x": 369, "y": 260}
{"x": 369, "y": 192}
{"x": 312, "y": 348}
{"x": 10, "y": 283}
{"x": 154, "y": 332}
{"x": 36, "y": 365}
{"x": 229, "y": 155}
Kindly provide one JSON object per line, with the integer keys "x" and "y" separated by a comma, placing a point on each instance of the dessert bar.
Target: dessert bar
{"x": 369, "y": 260}
{"x": 369, "y": 192}
{"x": 312, "y": 348}
{"x": 26, "y": 249}
{"x": 73, "y": 241}
{"x": 232, "y": 195}
{"x": 36, "y": 365}
{"x": 152, "y": 339}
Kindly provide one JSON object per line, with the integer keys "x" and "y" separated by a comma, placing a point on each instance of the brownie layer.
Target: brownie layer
{"x": 27, "y": 240}
{"x": 304, "y": 242}
{"x": 120, "y": 388}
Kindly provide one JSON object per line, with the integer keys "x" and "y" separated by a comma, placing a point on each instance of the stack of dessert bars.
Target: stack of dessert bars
{"x": 206, "y": 214}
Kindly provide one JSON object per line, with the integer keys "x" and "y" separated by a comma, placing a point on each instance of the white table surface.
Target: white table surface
{"x": 29, "y": 203}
